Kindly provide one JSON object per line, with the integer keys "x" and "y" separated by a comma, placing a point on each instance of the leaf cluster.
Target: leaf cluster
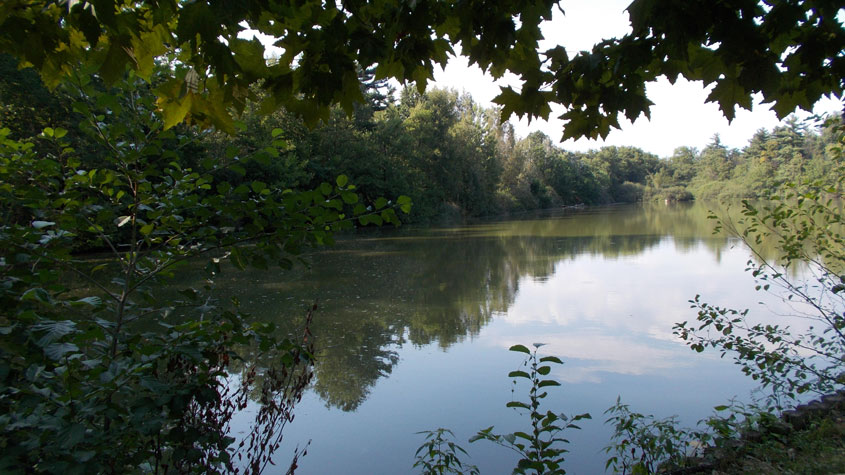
{"x": 788, "y": 52}
{"x": 805, "y": 221}
{"x": 92, "y": 377}
{"x": 439, "y": 455}
{"x": 541, "y": 447}
{"x": 641, "y": 443}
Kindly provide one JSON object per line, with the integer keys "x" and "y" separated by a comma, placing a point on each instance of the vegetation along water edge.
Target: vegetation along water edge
{"x": 162, "y": 132}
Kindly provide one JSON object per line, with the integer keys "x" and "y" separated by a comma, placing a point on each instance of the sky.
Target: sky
{"x": 680, "y": 116}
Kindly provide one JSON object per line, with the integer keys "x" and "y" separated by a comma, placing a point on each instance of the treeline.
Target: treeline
{"x": 453, "y": 157}
{"x": 456, "y": 158}
{"x": 793, "y": 152}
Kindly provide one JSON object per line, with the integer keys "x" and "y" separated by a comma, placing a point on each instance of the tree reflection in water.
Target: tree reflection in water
{"x": 379, "y": 290}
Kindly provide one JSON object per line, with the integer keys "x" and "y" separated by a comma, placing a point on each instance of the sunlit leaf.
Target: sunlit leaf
{"x": 520, "y": 348}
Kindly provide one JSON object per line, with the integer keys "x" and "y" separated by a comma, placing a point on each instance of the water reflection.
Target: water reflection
{"x": 602, "y": 282}
{"x": 616, "y": 315}
{"x": 413, "y": 326}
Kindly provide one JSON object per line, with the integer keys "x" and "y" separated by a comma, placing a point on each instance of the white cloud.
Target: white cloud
{"x": 588, "y": 353}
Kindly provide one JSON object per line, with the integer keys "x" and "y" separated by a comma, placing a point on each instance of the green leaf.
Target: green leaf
{"x": 92, "y": 301}
{"x": 553, "y": 359}
{"x": 37, "y": 294}
{"x": 258, "y": 186}
{"x": 71, "y": 435}
{"x": 520, "y": 348}
{"x": 249, "y": 54}
{"x": 175, "y": 111}
{"x": 517, "y": 404}
{"x": 728, "y": 93}
{"x": 349, "y": 197}
{"x": 342, "y": 180}
{"x": 404, "y": 203}
{"x": 238, "y": 259}
{"x": 482, "y": 434}
{"x": 56, "y": 351}
{"x": 519, "y": 374}
{"x": 53, "y": 330}
{"x": 237, "y": 168}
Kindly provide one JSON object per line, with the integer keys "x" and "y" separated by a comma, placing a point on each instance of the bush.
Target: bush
{"x": 629, "y": 192}
{"x": 672, "y": 194}
{"x": 805, "y": 223}
{"x": 91, "y": 379}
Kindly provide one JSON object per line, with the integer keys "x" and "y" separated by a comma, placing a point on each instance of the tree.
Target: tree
{"x": 804, "y": 221}
{"x": 790, "y": 52}
{"x": 620, "y": 167}
{"x": 94, "y": 377}
{"x": 715, "y": 163}
{"x": 26, "y": 106}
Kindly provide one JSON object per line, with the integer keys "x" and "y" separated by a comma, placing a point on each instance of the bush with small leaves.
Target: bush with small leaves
{"x": 439, "y": 454}
{"x": 806, "y": 223}
{"x": 641, "y": 443}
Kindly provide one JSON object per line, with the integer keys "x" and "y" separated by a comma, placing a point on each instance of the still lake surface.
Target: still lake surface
{"x": 414, "y": 325}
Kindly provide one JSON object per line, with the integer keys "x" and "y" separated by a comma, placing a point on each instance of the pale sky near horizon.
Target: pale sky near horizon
{"x": 680, "y": 116}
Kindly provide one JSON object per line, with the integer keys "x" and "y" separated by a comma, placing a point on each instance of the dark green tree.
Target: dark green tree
{"x": 789, "y": 52}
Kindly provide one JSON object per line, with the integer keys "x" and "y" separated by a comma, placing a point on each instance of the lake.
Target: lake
{"x": 414, "y": 326}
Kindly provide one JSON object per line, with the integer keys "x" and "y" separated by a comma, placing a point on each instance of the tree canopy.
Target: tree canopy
{"x": 789, "y": 51}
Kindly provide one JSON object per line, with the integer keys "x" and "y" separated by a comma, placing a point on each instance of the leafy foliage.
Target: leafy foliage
{"x": 541, "y": 446}
{"x": 788, "y": 52}
{"x": 439, "y": 455}
{"x": 806, "y": 223}
{"x": 794, "y": 152}
{"x": 453, "y": 157}
{"x": 92, "y": 377}
{"x": 641, "y": 443}
{"x": 322, "y": 45}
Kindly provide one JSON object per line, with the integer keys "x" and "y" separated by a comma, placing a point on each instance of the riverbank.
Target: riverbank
{"x": 809, "y": 439}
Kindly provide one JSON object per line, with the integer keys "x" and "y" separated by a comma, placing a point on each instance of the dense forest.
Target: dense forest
{"x": 453, "y": 157}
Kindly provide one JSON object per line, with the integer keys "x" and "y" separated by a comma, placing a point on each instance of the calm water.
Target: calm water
{"x": 413, "y": 329}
